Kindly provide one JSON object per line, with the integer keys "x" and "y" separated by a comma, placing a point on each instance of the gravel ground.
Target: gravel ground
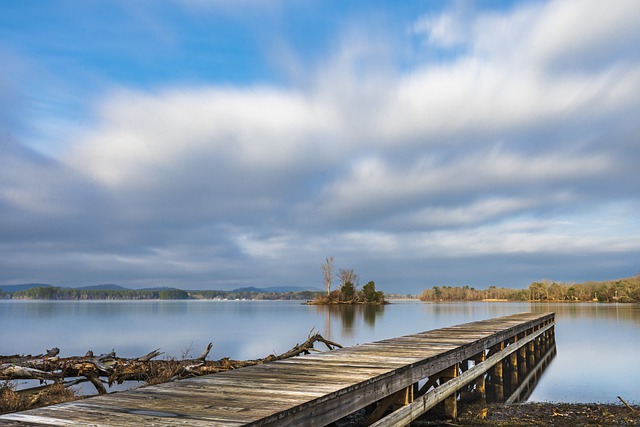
{"x": 542, "y": 414}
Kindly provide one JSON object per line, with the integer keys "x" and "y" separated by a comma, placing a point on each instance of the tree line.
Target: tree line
{"x": 625, "y": 290}
{"x": 240, "y": 295}
{"x": 58, "y": 293}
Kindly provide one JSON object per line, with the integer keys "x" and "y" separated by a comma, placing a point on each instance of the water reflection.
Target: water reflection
{"x": 371, "y": 312}
{"x": 510, "y": 380}
{"x": 595, "y": 340}
{"x": 522, "y": 390}
{"x": 44, "y": 310}
{"x": 615, "y": 311}
{"x": 516, "y": 376}
{"x": 349, "y": 316}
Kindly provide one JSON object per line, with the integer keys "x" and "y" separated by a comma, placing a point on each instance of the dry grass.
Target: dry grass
{"x": 12, "y": 400}
{"x": 163, "y": 373}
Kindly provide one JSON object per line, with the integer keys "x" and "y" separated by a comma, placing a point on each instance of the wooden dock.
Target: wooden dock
{"x": 396, "y": 380}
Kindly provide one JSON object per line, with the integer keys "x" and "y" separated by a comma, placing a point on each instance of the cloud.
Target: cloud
{"x": 503, "y": 154}
{"x": 431, "y": 187}
{"x": 580, "y": 37}
{"x": 258, "y": 128}
{"x": 447, "y": 30}
{"x": 207, "y": 154}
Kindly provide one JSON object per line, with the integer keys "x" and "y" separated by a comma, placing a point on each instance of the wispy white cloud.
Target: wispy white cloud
{"x": 447, "y": 30}
{"x": 493, "y": 152}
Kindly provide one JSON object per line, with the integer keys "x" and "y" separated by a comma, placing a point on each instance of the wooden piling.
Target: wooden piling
{"x": 513, "y": 371}
{"x": 522, "y": 362}
{"x": 497, "y": 380}
{"x": 531, "y": 355}
{"x": 451, "y": 402}
{"x": 480, "y": 387}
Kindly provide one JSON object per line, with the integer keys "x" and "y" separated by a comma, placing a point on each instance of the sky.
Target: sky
{"x": 217, "y": 144}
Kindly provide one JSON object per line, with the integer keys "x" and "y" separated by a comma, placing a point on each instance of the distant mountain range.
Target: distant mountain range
{"x": 278, "y": 289}
{"x": 9, "y": 289}
{"x": 103, "y": 288}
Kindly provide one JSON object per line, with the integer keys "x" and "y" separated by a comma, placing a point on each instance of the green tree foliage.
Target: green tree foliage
{"x": 370, "y": 293}
{"x": 173, "y": 294}
{"x": 347, "y": 291}
{"x": 54, "y": 293}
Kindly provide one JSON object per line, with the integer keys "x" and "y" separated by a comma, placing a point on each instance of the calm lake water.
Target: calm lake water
{"x": 597, "y": 344}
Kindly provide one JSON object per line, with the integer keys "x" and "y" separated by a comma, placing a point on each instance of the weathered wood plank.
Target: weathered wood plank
{"x": 405, "y": 415}
{"x": 307, "y": 390}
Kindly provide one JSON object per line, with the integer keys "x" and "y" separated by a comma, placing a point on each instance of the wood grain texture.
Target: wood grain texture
{"x": 312, "y": 390}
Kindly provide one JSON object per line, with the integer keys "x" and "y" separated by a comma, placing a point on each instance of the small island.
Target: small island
{"x": 348, "y": 292}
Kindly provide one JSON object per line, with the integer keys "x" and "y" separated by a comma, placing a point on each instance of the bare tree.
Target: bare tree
{"x": 327, "y": 272}
{"x": 348, "y": 276}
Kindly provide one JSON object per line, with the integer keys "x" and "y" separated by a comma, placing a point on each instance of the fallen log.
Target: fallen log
{"x": 110, "y": 369}
{"x": 25, "y": 373}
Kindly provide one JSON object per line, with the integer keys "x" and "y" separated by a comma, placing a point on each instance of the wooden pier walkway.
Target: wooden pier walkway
{"x": 408, "y": 374}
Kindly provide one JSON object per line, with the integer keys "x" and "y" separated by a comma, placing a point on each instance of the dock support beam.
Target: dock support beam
{"x": 522, "y": 361}
{"x": 451, "y": 402}
{"x": 497, "y": 380}
{"x": 404, "y": 397}
{"x": 448, "y": 390}
{"x": 513, "y": 369}
{"x": 480, "y": 382}
{"x": 531, "y": 355}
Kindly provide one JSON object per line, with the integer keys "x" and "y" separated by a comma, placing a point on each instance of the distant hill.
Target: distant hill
{"x": 249, "y": 289}
{"x": 277, "y": 289}
{"x": 291, "y": 289}
{"x": 106, "y": 287}
{"x": 158, "y": 289}
{"x": 9, "y": 289}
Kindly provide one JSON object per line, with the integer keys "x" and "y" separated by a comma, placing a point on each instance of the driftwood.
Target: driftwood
{"x": 631, "y": 408}
{"x": 109, "y": 369}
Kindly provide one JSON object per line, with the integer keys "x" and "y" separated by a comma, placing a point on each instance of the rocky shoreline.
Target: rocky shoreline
{"x": 541, "y": 414}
